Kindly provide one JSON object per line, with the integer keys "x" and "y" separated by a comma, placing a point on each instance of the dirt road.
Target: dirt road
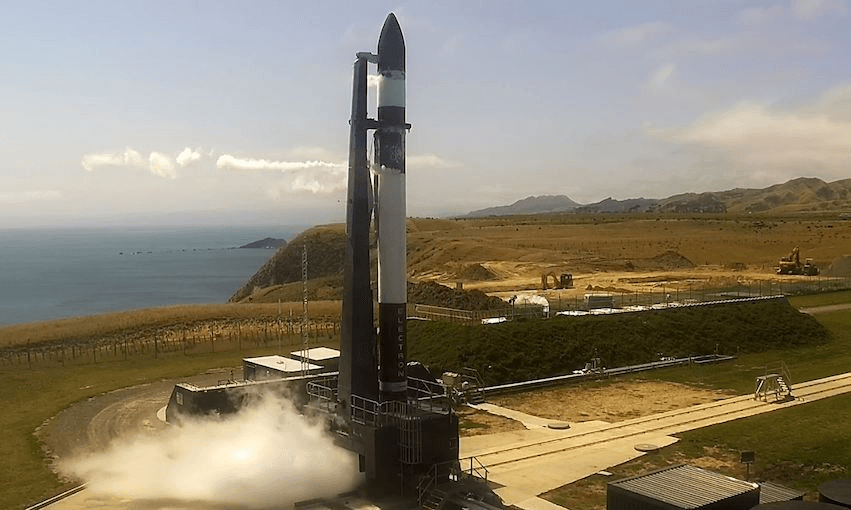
{"x": 92, "y": 424}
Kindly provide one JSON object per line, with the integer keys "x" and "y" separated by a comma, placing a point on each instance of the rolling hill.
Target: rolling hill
{"x": 804, "y": 194}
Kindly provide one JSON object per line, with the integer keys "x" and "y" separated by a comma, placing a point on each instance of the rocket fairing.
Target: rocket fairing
{"x": 390, "y": 212}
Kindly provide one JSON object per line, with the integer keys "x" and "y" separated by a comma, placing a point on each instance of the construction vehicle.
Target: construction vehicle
{"x": 791, "y": 264}
{"x": 564, "y": 281}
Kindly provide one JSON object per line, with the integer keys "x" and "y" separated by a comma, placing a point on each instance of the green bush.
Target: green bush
{"x": 516, "y": 351}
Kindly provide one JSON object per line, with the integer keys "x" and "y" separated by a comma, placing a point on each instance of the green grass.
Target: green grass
{"x": 804, "y": 363}
{"x": 801, "y": 447}
{"x": 813, "y": 300}
{"x": 522, "y": 350}
{"x": 29, "y": 397}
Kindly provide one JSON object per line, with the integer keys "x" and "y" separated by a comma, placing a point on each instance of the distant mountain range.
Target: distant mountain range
{"x": 804, "y": 194}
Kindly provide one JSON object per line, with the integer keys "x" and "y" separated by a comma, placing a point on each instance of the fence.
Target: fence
{"x": 189, "y": 339}
{"x": 682, "y": 293}
{"x": 439, "y": 313}
{"x": 699, "y": 292}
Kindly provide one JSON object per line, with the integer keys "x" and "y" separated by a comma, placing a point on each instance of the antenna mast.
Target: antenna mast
{"x": 304, "y": 334}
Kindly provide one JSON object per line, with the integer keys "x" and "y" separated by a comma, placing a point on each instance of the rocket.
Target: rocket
{"x": 390, "y": 213}
{"x": 365, "y": 373}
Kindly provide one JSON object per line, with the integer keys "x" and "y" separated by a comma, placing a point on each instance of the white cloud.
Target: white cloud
{"x": 158, "y": 164}
{"x": 662, "y": 77}
{"x": 228, "y": 162}
{"x": 429, "y": 160}
{"x": 161, "y": 165}
{"x": 766, "y": 141}
{"x": 188, "y": 156}
{"x": 325, "y": 182}
{"x": 809, "y": 9}
{"x": 128, "y": 157}
{"x": 20, "y": 197}
{"x": 637, "y": 34}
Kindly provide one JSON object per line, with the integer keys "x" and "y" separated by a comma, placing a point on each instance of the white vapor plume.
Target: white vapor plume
{"x": 314, "y": 176}
{"x": 158, "y": 164}
{"x": 265, "y": 456}
{"x": 228, "y": 162}
{"x": 430, "y": 160}
{"x": 188, "y": 156}
{"x": 128, "y": 157}
{"x": 161, "y": 165}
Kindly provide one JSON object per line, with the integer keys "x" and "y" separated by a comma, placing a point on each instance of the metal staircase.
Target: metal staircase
{"x": 473, "y": 386}
{"x": 431, "y": 493}
{"x": 433, "y": 499}
{"x": 776, "y": 382}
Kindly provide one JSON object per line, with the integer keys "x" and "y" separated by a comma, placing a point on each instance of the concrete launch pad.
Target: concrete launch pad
{"x": 529, "y": 462}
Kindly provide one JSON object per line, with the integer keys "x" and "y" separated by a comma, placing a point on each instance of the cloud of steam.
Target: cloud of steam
{"x": 264, "y": 456}
{"x": 430, "y": 160}
{"x": 228, "y": 162}
{"x": 128, "y": 157}
{"x": 314, "y": 176}
{"x": 187, "y": 157}
{"x": 161, "y": 165}
{"x": 158, "y": 164}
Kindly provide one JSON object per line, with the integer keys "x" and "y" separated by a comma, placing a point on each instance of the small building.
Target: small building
{"x": 325, "y": 357}
{"x": 770, "y": 492}
{"x": 594, "y": 301}
{"x": 274, "y": 367}
{"x": 681, "y": 487}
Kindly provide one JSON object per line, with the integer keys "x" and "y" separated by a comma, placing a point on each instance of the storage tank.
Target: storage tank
{"x": 837, "y": 492}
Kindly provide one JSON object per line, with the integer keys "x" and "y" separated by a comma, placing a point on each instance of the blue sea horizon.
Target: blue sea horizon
{"x": 58, "y": 273}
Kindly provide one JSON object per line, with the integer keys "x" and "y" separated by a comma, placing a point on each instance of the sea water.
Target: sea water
{"x": 48, "y": 274}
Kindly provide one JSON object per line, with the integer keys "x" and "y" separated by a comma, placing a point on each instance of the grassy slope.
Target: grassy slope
{"x": 522, "y": 350}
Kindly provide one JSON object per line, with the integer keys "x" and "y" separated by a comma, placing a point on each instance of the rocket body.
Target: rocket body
{"x": 358, "y": 366}
{"x": 390, "y": 214}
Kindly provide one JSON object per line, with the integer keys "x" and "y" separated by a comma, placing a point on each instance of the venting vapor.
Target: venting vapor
{"x": 265, "y": 456}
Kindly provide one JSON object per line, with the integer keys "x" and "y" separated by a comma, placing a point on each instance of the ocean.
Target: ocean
{"x": 49, "y": 274}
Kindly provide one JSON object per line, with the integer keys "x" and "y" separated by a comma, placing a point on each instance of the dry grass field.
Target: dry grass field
{"x": 618, "y": 252}
{"x": 621, "y": 254}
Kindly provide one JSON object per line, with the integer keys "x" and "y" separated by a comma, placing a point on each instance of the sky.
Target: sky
{"x": 195, "y": 112}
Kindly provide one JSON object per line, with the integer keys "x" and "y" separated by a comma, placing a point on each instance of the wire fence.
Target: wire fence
{"x": 700, "y": 292}
{"x": 190, "y": 339}
{"x": 665, "y": 295}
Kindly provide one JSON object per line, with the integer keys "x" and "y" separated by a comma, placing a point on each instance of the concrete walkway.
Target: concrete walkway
{"x": 527, "y": 463}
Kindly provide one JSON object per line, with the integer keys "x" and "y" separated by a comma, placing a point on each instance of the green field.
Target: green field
{"x": 29, "y": 397}
{"x": 801, "y": 447}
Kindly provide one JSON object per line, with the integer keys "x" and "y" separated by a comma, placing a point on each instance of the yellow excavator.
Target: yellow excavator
{"x": 791, "y": 264}
{"x": 564, "y": 281}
